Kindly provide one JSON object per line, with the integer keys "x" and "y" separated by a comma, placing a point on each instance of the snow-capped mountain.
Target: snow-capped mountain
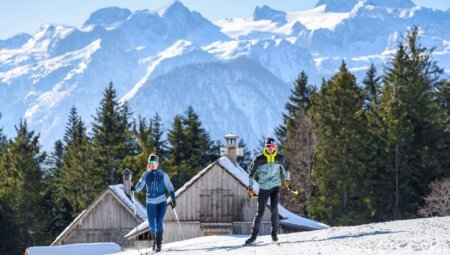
{"x": 235, "y": 72}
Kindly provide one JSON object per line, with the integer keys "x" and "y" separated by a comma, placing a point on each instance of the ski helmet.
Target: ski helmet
{"x": 270, "y": 142}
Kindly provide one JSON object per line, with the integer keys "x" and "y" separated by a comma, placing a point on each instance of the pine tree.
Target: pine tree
{"x": 112, "y": 138}
{"x": 79, "y": 182}
{"x": 191, "y": 148}
{"x": 298, "y": 142}
{"x": 299, "y": 99}
{"x": 342, "y": 197}
{"x": 375, "y": 141}
{"x": 22, "y": 190}
{"x": 411, "y": 114}
{"x": 55, "y": 203}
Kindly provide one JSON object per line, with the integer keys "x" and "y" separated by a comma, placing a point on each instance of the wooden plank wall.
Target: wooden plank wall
{"x": 108, "y": 221}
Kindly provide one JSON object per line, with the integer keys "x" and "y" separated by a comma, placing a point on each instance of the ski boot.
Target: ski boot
{"x": 251, "y": 240}
{"x": 158, "y": 240}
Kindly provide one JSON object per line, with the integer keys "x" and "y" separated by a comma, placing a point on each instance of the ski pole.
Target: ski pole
{"x": 294, "y": 191}
{"x": 179, "y": 225}
{"x": 135, "y": 228}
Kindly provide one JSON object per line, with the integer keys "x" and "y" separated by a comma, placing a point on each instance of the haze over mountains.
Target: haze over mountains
{"x": 235, "y": 72}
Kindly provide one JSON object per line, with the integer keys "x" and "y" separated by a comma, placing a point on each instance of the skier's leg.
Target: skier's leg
{"x": 263, "y": 196}
{"x": 160, "y": 213}
{"x": 151, "y": 215}
{"x": 274, "y": 200}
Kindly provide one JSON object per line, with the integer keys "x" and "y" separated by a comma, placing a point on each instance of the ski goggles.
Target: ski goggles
{"x": 271, "y": 146}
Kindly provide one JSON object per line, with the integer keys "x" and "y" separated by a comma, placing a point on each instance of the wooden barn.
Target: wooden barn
{"x": 215, "y": 202}
{"x": 108, "y": 219}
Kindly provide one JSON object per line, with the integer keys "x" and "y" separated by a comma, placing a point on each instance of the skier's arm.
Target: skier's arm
{"x": 286, "y": 173}
{"x": 252, "y": 170}
{"x": 140, "y": 185}
{"x": 169, "y": 186}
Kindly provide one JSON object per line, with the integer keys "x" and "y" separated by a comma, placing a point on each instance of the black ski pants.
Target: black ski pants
{"x": 263, "y": 196}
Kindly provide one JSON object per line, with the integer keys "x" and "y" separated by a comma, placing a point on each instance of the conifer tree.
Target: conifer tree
{"x": 414, "y": 136}
{"x": 342, "y": 197}
{"x": 112, "y": 138}
{"x": 22, "y": 190}
{"x": 299, "y": 99}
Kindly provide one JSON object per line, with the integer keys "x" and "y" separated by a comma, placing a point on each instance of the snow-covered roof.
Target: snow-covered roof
{"x": 288, "y": 218}
{"x": 118, "y": 190}
{"x": 75, "y": 249}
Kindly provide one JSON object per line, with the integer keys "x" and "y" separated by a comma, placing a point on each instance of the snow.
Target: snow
{"x": 141, "y": 211}
{"x": 407, "y": 237}
{"x": 76, "y": 249}
{"x": 316, "y": 18}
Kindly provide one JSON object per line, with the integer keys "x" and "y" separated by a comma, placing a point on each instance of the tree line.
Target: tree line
{"x": 370, "y": 152}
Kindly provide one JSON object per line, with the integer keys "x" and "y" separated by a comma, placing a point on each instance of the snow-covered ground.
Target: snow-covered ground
{"x": 422, "y": 236}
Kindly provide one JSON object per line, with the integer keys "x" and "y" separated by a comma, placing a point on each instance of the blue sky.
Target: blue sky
{"x": 28, "y": 15}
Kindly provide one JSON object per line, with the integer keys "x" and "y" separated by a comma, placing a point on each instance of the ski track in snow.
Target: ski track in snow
{"x": 421, "y": 236}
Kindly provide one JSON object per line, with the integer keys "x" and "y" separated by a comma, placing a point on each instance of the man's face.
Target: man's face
{"x": 270, "y": 148}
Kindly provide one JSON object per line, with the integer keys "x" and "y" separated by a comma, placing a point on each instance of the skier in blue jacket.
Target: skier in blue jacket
{"x": 156, "y": 180}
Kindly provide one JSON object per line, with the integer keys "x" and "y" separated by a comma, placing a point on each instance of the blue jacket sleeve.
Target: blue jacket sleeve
{"x": 169, "y": 186}
{"x": 140, "y": 185}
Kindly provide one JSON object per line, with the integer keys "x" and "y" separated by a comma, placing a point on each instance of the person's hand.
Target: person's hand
{"x": 133, "y": 189}
{"x": 288, "y": 184}
{"x": 173, "y": 204}
{"x": 251, "y": 193}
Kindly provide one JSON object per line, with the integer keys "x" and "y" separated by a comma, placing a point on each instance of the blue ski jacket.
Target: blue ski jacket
{"x": 156, "y": 181}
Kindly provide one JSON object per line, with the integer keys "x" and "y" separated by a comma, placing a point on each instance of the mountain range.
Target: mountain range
{"x": 236, "y": 72}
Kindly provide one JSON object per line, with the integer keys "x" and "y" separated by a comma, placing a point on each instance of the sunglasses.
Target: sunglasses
{"x": 271, "y": 146}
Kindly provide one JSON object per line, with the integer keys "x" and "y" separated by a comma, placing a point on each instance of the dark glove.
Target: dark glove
{"x": 250, "y": 191}
{"x": 133, "y": 189}
{"x": 173, "y": 204}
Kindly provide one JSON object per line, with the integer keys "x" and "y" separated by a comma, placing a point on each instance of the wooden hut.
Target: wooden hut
{"x": 215, "y": 202}
{"x": 107, "y": 219}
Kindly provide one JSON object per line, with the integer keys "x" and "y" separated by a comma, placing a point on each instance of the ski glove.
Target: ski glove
{"x": 250, "y": 191}
{"x": 288, "y": 184}
{"x": 173, "y": 204}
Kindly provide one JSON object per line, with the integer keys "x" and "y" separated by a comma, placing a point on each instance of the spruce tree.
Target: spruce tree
{"x": 342, "y": 197}
{"x": 299, "y": 99}
{"x": 55, "y": 203}
{"x": 414, "y": 136}
{"x": 21, "y": 179}
{"x": 191, "y": 148}
{"x": 79, "y": 182}
{"x": 112, "y": 138}
{"x": 298, "y": 142}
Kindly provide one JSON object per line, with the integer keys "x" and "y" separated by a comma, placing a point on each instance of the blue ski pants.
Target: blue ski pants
{"x": 155, "y": 214}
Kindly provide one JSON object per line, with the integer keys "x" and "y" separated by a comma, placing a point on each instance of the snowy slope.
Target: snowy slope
{"x": 153, "y": 55}
{"x": 75, "y": 249}
{"x": 421, "y": 236}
